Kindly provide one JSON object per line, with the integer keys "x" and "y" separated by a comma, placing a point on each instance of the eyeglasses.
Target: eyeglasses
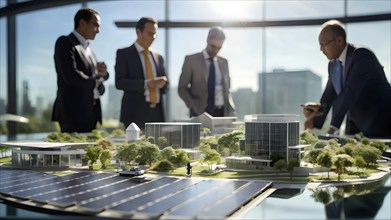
{"x": 327, "y": 43}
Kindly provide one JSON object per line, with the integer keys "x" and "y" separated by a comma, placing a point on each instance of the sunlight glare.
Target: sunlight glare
{"x": 230, "y": 10}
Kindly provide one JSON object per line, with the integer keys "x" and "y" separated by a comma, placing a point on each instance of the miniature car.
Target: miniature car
{"x": 133, "y": 171}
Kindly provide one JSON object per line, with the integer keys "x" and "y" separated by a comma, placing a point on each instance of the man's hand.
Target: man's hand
{"x": 157, "y": 83}
{"x": 102, "y": 69}
{"x": 310, "y": 111}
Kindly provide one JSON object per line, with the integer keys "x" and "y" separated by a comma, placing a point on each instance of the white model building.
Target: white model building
{"x": 132, "y": 133}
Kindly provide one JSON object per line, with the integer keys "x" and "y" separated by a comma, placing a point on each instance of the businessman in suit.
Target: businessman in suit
{"x": 141, "y": 74}
{"x": 357, "y": 88}
{"x": 80, "y": 77}
{"x": 205, "y": 82}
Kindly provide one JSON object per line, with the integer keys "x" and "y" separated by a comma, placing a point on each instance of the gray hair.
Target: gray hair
{"x": 336, "y": 27}
{"x": 216, "y": 33}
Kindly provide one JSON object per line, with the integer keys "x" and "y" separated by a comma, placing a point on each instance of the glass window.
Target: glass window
{"x": 303, "y": 9}
{"x": 364, "y": 7}
{"x": 215, "y": 10}
{"x": 3, "y": 69}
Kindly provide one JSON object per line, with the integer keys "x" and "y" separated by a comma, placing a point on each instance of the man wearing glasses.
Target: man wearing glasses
{"x": 357, "y": 88}
{"x": 204, "y": 82}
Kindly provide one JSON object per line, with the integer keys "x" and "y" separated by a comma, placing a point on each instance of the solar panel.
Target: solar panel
{"x": 94, "y": 193}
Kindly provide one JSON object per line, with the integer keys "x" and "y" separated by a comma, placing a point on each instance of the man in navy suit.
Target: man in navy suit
{"x": 79, "y": 76}
{"x": 363, "y": 94}
{"x": 141, "y": 74}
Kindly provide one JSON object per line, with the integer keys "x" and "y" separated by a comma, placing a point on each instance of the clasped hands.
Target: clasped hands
{"x": 102, "y": 72}
{"x": 157, "y": 83}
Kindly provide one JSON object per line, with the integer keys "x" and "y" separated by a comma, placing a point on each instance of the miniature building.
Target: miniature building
{"x": 47, "y": 154}
{"x": 269, "y": 136}
{"x": 132, "y": 133}
{"x": 216, "y": 125}
{"x": 183, "y": 135}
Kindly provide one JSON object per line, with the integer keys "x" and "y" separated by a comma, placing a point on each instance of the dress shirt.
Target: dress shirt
{"x": 140, "y": 51}
{"x": 219, "y": 98}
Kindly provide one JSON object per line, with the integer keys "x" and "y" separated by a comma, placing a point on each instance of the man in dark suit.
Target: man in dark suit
{"x": 79, "y": 76}
{"x": 141, "y": 74}
{"x": 201, "y": 92}
{"x": 361, "y": 91}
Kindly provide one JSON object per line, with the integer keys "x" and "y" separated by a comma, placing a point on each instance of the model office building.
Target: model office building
{"x": 183, "y": 135}
{"x": 267, "y": 137}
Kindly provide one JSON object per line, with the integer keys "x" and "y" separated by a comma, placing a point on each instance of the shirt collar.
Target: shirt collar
{"x": 342, "y": 57}
{"x": 85, "y": 43}
{"x": 140, "y": 48}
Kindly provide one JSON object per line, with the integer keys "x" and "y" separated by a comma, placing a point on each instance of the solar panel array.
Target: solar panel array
{"x": 107, "y": 194}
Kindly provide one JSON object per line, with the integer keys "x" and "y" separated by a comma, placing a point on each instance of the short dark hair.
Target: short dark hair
{"x": 336, "y": 27}
{"x": 141, "y": 23}
{"x": 84, "y": 14}
{"x": 217, "y": 33}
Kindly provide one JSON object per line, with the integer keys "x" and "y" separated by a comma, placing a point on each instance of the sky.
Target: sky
{"x": 289, "y": 48}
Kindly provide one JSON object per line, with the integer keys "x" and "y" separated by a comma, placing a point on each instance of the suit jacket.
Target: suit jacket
{"x": 129, "y": 77}
{"x": 193, "y": 84}
{"x": 365, "y": 96}
{"x": 74, "y": 103}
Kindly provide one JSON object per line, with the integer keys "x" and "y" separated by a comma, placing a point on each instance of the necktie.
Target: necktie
{"x": 148, "y": 68}
{"x": 211, "y": 87}
{"x": 337, "y": 76}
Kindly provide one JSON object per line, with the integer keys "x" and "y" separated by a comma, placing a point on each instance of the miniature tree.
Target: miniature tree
{"x": 291, "y": 166}
{"x": 92, "y": 155}
{"x": 231, "y": 141}
{"x": 312, "y": 156}
{"x": 128, "y": 152}
{"x": 118, "y": 132}
{"x": 359, "y": 162}
{"x": 181, "y": 157}
{"x": 205, "y": 132}
{"x": 325, "y": 160}
{"x": 104, "y": 157}
{"x": 168, "y": 153}
{"x": 341, "y": 161}
{"x": 148, "y": 153}
{"x": 212, "y": 156}
{"x": 162, "y": 141}
{"x": 280, "y": 165}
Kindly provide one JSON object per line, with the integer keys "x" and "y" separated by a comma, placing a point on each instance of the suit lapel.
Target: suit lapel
{"x": 88, "y": 60}
{"x": 132, "y": 56}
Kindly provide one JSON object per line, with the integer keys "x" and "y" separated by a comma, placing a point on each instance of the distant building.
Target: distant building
{"x": 181, "y": 134}
{"x": 282, "y": 92}
{"x": 245, "y": 102}
{"x": 178, "y": 109}
{"x": 27, "y": 108}
{"x": 113, "y": 103}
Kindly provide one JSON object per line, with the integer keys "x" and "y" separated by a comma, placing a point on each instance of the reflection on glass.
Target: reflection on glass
{"x": 353, "y": 201}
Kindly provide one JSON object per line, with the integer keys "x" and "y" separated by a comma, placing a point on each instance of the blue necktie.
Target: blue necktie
{"x": 211, "y": 87}
{"x": 337, "y": 75}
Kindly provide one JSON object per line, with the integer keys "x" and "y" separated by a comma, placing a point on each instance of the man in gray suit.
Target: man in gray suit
{"x": 204, "y": 82}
